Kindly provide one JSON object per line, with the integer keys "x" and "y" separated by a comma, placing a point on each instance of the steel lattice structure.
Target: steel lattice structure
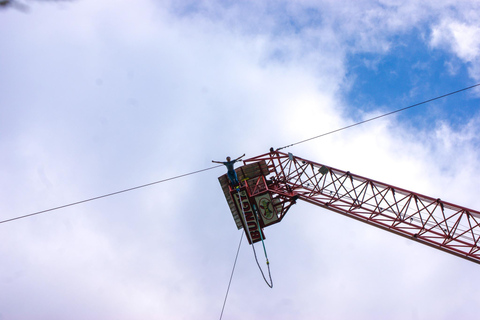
{"x": 424, "y": 219}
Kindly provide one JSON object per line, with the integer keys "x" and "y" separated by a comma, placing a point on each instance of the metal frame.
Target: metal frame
{"x": 436, "y": 223}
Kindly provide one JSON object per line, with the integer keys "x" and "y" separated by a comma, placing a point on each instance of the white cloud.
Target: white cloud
{"x": 461, "y": 38}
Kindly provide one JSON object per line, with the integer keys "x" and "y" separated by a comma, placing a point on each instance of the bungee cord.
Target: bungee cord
{"x": 270, "y": 284}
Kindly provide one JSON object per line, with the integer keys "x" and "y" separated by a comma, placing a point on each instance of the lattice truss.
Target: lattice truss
{"x": 431, "y": 221}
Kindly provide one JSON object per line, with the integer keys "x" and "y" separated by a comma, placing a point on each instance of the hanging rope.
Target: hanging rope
{"x": 231, "y": 276}
{"x": 270, "y": 284}
{"x": 264, "y": 250}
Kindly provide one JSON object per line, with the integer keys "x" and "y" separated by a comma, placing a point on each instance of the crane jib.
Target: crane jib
{"x": 275, "y": 180}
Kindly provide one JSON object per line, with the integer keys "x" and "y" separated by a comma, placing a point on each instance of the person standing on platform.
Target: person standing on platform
{"x": 232, "y": 175}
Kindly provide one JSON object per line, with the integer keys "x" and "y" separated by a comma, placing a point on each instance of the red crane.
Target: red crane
{"x": 271, "y": 183}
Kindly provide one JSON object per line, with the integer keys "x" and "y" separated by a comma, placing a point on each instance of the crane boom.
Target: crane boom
{"x": 283, "y": 178}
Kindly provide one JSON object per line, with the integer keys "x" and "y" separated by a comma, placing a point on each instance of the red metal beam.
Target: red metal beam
{"x": 431, "y": 221}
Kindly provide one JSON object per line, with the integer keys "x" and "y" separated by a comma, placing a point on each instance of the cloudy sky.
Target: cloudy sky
{"x": 101, "y": 96}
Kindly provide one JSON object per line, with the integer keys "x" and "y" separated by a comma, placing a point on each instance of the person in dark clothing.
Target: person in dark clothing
{"x": 232, "y": 175}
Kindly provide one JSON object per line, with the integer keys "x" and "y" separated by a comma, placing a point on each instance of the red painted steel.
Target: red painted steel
{"x": 424, "y": 219}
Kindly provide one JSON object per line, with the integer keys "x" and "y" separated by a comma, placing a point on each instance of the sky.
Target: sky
{"x": 102, "y": 96}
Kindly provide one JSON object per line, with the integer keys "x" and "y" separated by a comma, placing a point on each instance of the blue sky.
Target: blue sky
{"x": 100, "y": 96}
{"x": 406, "y": 79}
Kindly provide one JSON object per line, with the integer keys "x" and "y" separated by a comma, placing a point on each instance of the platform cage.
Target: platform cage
{"x": 255, "y": 204}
